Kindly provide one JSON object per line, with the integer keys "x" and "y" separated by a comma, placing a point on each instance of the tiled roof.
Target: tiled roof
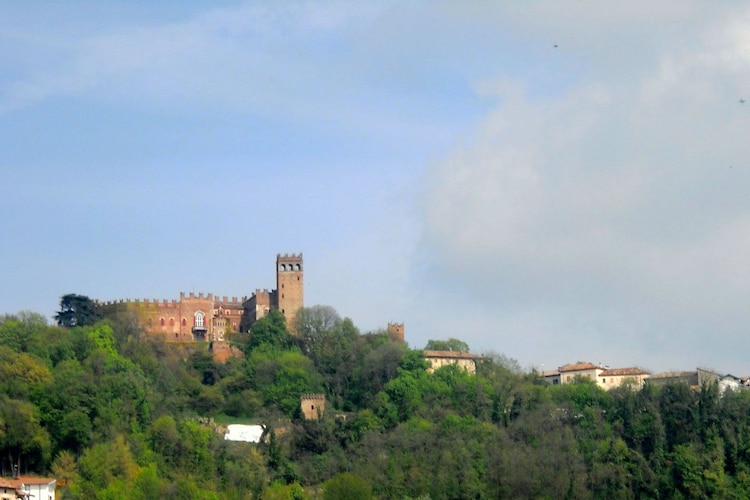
{"x": 33, "y": 480}
{"x": 577, "y": 367}
{"x": 672, "y": 374}
{"x": 622, "y": 371}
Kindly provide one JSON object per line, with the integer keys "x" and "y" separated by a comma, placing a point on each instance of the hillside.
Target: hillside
{"x": 112, "y": 413}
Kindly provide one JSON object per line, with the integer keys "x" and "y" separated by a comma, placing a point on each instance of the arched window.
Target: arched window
{"x": 171, "y": 321}
{"x": 161, "y": 321}
{"x": 199, "y": 319}
{"x": 297, "y": 267}
{"x": 184, "y": 322}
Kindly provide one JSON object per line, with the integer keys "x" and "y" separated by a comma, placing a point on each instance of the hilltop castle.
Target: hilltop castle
{"x": 209, "y": 317}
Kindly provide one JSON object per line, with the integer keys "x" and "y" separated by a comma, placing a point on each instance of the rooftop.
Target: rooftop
{"x": 577, "y": 367}
{"x": 623, "y": 372}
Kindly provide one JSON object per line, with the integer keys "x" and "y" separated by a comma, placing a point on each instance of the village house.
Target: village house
{"x": 27, "y": 487}
{"x": 568, "y": 373}
{"x": 609, "y": 379}
{"x": 603, "y": 376}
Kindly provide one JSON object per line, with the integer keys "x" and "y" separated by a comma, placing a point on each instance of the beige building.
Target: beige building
{"x": 439, "y": 359}
{"x": 605, "y": 377}
{"x": 568, "y": 373}
{"x": 609, "y": 379}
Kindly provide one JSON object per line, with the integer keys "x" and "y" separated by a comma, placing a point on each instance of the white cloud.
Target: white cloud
{"x": 620, "y": 194}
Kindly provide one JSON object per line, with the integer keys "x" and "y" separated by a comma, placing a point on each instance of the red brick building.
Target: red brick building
{"x": 210, "y": 317}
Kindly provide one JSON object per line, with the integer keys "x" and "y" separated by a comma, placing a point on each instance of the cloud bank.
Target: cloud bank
{"x": 612, "y": 214}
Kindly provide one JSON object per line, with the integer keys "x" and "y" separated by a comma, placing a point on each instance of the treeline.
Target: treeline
{"x": 112, "y": 413}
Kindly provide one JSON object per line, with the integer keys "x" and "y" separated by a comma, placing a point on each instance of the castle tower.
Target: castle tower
{"x": 312, "y": 405}
{"x": 396, "y": 332}
{"x": 289, "y": 286}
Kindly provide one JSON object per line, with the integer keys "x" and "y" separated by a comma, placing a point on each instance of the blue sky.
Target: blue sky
{"x": 555, "y": 181}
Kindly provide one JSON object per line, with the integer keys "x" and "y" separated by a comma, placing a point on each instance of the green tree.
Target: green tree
{"x": 678, "y": 405}
{"x": 77, "y": 310}
{"x": 280, "y": 491}
{"x": 244, "y": 471}
{"x": 451, "y": 344}
{"x": 65, "y": 469}
{"x": 23, "y": 440}
{"x": 346, "y": 486}
{"x": 270, "y": 330}
{"x": 22, "y": 373}
{"x": 310, "y": 322}
{"x": 374, "y": 368}
{"x": 24, "y": 332}
{"x": 104, "y": 465}
{"x": 282, "y": 377}
{"x": 149, "y": 484}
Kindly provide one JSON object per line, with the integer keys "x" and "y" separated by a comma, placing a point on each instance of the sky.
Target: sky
{"x": 552, "y": 181}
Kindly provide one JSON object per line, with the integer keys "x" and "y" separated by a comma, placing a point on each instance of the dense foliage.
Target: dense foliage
{"x": 113, "y": 413}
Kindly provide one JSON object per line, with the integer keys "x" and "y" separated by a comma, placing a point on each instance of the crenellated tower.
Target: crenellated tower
{"x": 289, "y": 286}
{"x": 396, "y": 332}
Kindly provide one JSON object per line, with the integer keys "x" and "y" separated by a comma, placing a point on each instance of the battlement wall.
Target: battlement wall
{"x": 144, "y": 302}
{"x": 203, "y": 316}
{"x": 225, "y": 302}
{"x": 289, "y": 256}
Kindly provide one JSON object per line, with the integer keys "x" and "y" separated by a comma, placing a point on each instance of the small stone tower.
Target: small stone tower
{"x": 312, "y": 405}
{"x": 289, "y": 286}
{"x": 396, "y": 332}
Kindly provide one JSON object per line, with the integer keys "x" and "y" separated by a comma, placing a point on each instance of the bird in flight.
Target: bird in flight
{"x": 555, "y": 45}
{"x": 742, "y": 101}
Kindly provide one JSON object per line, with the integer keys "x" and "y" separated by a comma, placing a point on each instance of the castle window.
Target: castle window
{"x": 171, "y": 321}
{"x": 282, "y": 267}
{"x": 161, "y": 321}
{"x": 297, "y": 267}
{"x": 184, "y": 322}
{"x": 199, "y": 319}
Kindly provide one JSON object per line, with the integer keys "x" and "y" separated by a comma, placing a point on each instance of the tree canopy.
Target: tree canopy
{"x": 76, "y": 310}
{"x": 119, "y": 414}
{"x": 451, "y": 344}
